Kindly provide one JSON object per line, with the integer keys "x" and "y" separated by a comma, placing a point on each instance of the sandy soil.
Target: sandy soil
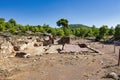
{"x": 66, "y": 66}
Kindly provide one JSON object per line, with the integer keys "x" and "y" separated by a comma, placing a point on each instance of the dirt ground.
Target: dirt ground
{"x": 66, "y": 66}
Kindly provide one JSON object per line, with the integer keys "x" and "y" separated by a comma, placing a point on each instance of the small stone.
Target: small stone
{"x": 101, "y": 62}
{"x": 34, "y": 60}
{"x": 113, "y": 75}
{"x": 85, "y": 58}
{"x": 77, "y": 56}
{"x": 26, "y": 56}
{"x": 93, "y": 60}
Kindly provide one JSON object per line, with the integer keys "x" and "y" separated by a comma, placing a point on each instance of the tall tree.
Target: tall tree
{"x": 2, "y": 24}
{"x": 95, "y": 31}
{"x": 53, "y": 31}
{"x": 2, "y": 20}
{"x": 103, "y": 32}
{"x": 2, "y": 27}
{"x": 111, "y": 31}
{"x": 117, "y": 32}
{"x": 46, "y": 27}
{"x": 8, "y": 25}
{"x": 90, "y": 33}
{"x": 83, "y": 31}
{"x": 12, "y": 21}
{"x": 62, "y": 22}
{"x": 67, "y": 31}
{"x": 77, "y": 32}
{"x": 60, "y": 32}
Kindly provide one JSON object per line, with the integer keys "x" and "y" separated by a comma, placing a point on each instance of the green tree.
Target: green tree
{"x": 60, "y": 32}
{"x": 2, "y": 24}
{"x": 95, "y": 31}
{"x": 8, "y": 26}
{"x": 77, "y": 32}
{"x": 53, "y": 31}
{"x": 2, "y": 20}
{"x": 42, "y": 30}
{"x": 23, "y": 29}
{"x": 117, "y": 32}
{"x": 62, "y": 22}
{"x": 67, "y": 32}
{"x": 34, "y": 29}
{"x": 12, "y": 30}
{"x": 2, "y": 27}
{"x": 103, "y": 33}
{"x": 90, "y": 33}
{"x": 111, "y": 31}
{"x": 46, "y": 28}
{"x": 12, "y": 21}
{"x": 83, "y": 31}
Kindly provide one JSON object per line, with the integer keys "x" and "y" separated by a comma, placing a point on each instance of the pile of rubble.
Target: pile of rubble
{"x": 5, "y": 50}
{"x": 25, "y": 47}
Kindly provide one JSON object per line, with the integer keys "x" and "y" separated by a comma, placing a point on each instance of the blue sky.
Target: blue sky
{"x": 39, "y": 12}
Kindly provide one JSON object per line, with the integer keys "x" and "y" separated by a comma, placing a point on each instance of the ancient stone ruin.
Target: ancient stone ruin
{"x": 64, "y": 40}
{"x": 26, "y": 47}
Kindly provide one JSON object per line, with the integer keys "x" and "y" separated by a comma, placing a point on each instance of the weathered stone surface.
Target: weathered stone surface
{"x": 7, "y": 49}
{"x": 36, "y": 51}
{"x": 37, "y": 44}
{"x": 22, "y": 55}
{"x": 49, "y": 41}
{"x": 39, "y": 40}
{"x": 69, "y": 48}
{"x": 113, "y": 75}
{"x": 54, "y": 49}
{"x": 64, "y": 40}
{"x": 22, "y": 45}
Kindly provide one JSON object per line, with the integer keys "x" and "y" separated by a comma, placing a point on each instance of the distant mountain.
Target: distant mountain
{"x": 77, "y": 25}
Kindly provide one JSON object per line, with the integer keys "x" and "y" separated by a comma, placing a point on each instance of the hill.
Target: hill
{"x": 77, "y": 25}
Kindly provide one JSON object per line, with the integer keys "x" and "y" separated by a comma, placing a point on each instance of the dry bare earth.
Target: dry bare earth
{"x": 66, "y": 66}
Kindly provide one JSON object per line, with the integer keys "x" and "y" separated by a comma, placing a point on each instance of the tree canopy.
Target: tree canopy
{"x": 64, "y": 29}
{"x": 117, "y": 32}
{"x": 12, "y": 21}
{"x": 62, "y": 22}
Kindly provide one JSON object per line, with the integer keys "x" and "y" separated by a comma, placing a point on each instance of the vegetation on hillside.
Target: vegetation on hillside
{"x": 64, "y": 29}
{"x": 77, "y": 25}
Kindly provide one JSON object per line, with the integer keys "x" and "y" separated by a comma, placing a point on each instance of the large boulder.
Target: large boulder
{"x": 22, "y": 45}
{"x": 49, "y": 41}
{"x": 19, "y": 45}
{"x": 7, "y": 49}
{"x": 35, "y": 51}
{"x": 54, "y": 49}
{"x": 113, "y": 75}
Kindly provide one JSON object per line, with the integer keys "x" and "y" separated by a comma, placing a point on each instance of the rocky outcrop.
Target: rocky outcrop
{"x": 19, "y": 45}
{"x": 53, "y": 49}
{"x": 7, "y": 49}
{"x": 36, "y": 51}
{"x": 48, "y": 41}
